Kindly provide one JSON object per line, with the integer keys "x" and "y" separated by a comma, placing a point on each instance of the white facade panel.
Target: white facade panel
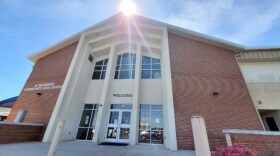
{"x": 150, "y": 91}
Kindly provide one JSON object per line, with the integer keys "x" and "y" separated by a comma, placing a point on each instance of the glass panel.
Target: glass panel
{"x": 150, "y": 124}
{"x": 133, "y": 59}
{"x": 156, "y": 107}
{"x": 114, "y": 117}
{"x": 120, "y": 106}
{"x": 156, "y": 61}
{"x": 119, "y": 59}
{"x": 124, "y": 75}
{"x": 125, "y": 67}
{"x": 146, "y": 74}
{"x": 96, "y": 106}
{"x": 116, "y": 75}
{"x": 99, "y": 62}
{"x": 156, "y": 120}
{"x": 93, "y": 120}
{"x": 103, "y": 74}
{"x": 85, "y": 118}
{"x": 106, "y": 62}
{"x": 90, "y": 134}
{"x": 112, "y": 132}
{"x": 156, "y": 66}
{"x": 144, "y": 121}
{"x": 156, "y": 74}
{"x": 96, "y": 75}
{"x": 124, "y": 133}
{"x": 104, "y": 68}
{"x": 117, "y": 67}
{"x": 133, "y": 74}
{"x": 98, "y": 68}
{"x": 144, "y": 136}
{"x": 146, "y": 60}
{"x": 82, "y": 133}
{"x": 157, "y": 137}
{"x": 146, "y": 66}
{"x": 125, "y": 59}
{"x": 145, "y": 107}
{"x": 88, "y": 106}
{"x": 126, "y": 118}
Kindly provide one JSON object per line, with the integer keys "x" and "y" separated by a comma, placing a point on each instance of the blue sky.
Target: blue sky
{"x": 28, "y": 26}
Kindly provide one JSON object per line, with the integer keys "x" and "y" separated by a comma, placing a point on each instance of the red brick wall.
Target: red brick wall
{"x": 49, "y": 69}
{"x": 198, "y": 70}
{"x": 263, "y": 145}
{"x": 10, "y": 133}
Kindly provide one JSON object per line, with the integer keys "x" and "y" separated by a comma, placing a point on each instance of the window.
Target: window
{"x": 150, "y": 68}
{"x": 87, "y": 122}
{"x": 150, "y": 124}
{"x": 100, "y": 69}
{"x": 125, "y": 68}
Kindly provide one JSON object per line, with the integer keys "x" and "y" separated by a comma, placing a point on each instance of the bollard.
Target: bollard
{"x": 200, "y": 136}
{"x": 55, "y": 139}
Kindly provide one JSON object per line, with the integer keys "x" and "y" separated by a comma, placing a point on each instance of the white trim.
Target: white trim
{"x": 103, "y": 106}
{"x": 58, "y": 106}
{"x": 135, "y": 102}
{"x": 255, "y": 132}
{"x": 168, "y": 110}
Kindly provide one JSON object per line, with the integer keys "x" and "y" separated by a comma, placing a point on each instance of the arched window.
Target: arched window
{"x": 100, "y": 69}
{"x": 125, "y": 68}
{"x": 150, "y": 68}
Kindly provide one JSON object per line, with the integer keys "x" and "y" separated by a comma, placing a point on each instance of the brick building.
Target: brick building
{"x": 136, "y": 80}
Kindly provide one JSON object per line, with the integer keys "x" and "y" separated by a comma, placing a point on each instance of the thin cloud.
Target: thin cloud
{"x": 227, "y": 19}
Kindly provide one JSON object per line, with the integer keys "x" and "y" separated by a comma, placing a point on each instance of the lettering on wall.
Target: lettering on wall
{"x": 122, "y": 95}
{"x": 43, "y": 86}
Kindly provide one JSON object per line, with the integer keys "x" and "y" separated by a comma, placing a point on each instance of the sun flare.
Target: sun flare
{"x": 128, "y": 7}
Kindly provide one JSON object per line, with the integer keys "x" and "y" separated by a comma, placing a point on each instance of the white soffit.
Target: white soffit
{"x": 172, "y": 29}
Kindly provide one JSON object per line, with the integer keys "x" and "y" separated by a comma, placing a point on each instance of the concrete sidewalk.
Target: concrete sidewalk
{"x": 80, "y": 148}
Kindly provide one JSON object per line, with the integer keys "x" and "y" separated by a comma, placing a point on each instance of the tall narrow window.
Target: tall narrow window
{"x": 87, "y": 122}
{"x": 125, "y": 68}
{"x": 150, "y": 124}
{"x": 100, "y": 69}
{"x": 150, "y": 68}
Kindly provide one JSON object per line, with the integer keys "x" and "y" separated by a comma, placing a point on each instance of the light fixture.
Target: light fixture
{"x": 215, "y": 93}
{"x": 127, "y": 7}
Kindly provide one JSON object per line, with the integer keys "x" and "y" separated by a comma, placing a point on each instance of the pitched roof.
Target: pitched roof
{"x": 171, "y": 28}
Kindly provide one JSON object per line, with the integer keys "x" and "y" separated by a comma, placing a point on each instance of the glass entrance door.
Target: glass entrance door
{"x": 119, "y": 124}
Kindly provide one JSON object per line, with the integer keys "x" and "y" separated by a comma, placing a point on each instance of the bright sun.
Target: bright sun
{"x": 128, "y": 7}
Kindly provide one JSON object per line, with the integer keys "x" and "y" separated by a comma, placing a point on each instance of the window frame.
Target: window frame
{"x": 125, "y": 70}
{"x": 102, "y": 71}
{"x": 149, "y": 68}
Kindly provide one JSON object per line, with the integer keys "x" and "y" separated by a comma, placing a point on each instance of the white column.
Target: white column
{"x": 135, "y": 103}
{"x": 200, "y": 136}
{"x": 103, "y": 105}
{"x": 168, "y": 105}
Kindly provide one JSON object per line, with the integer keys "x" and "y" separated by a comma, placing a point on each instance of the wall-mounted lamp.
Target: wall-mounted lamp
{"x": 215, "y": 93}
{"x": 38, "y": 93}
